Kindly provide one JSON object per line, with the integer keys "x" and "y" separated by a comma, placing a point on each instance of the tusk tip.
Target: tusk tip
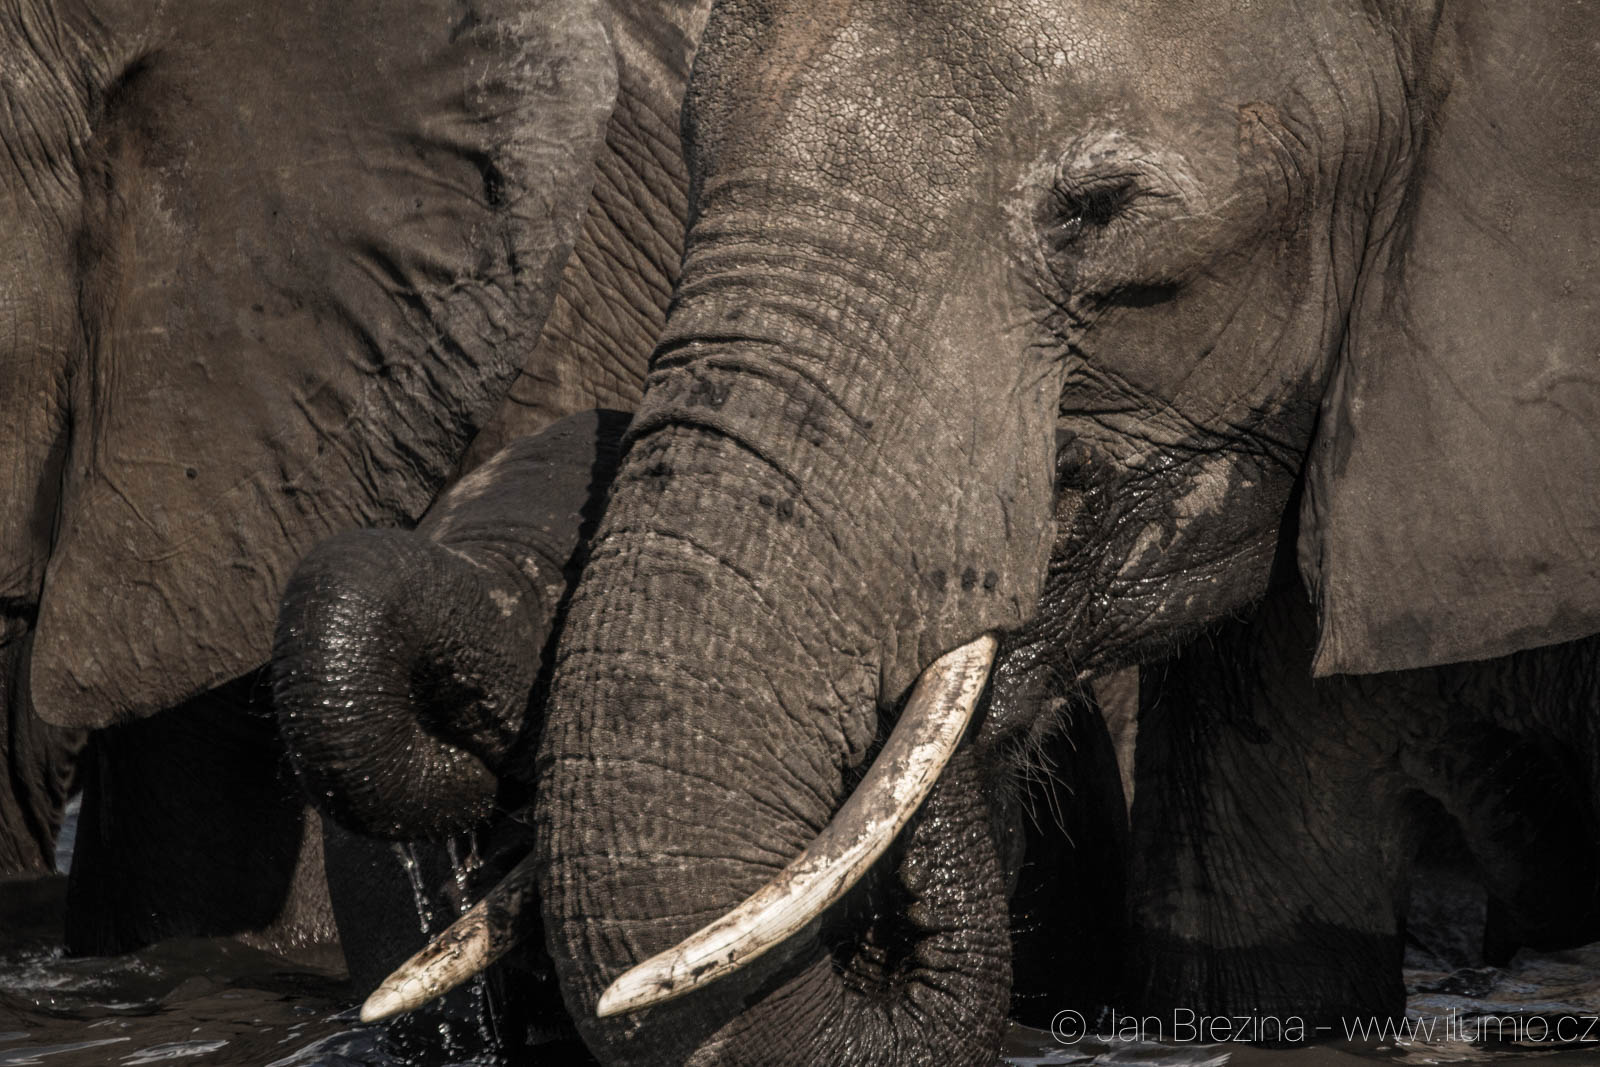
{"x": 632, "y": 992}
{"x": 384, "y": 1003}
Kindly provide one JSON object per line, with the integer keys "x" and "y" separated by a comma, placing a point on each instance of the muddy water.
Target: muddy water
{"x": 195, "y": 1001}
{"x": 215, "y": 1002}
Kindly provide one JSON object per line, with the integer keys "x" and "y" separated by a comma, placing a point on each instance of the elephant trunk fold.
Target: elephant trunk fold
{"x": 399, "y": 705}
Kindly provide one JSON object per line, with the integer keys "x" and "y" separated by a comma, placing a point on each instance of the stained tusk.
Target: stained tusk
{"x": 485, "y": 933}
{"x": 920, "y": 745}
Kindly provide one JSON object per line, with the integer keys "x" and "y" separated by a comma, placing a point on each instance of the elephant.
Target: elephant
{"x": 1014, "y": 344}
{"x": 270, "y": 276}
{"x": 1228, "y": 268}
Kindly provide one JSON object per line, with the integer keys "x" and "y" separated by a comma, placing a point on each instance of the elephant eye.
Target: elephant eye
{"x": 1077, "y": 208}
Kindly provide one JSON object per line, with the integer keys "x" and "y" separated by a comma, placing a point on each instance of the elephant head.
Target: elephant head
{"x": 1042, "y": 320}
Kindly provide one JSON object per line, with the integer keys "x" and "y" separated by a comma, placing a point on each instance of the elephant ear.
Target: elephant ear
{"x": 317, "y": 240}
{"x": 1452, "y": 505}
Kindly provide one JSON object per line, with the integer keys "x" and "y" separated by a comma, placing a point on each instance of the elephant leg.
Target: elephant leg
{"x": 1514, "y": 763}
{"x": 193, "y": 825}
{"x": 1283, "y": 825}
{"x": 1529, "y": 831}
{"x": 1269, "y": 834}
{"x": 38, "y": 765}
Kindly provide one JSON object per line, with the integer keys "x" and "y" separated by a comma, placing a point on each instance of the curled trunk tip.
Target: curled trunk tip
{"x": 400, "y": 682}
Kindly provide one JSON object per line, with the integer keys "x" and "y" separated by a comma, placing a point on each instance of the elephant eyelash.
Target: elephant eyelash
{"x": 1079, "y": 208}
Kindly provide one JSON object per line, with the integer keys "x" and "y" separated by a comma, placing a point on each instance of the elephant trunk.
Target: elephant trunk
{"x": 929, "y": 730}
{"x": 404, "y": 661}
{"x": 831, "y": 486}
{"x": 927, "y": 979}
{"x": 778, "y": 565}
{"x": 660, "y": 810}
{"x": 398, "y": 700}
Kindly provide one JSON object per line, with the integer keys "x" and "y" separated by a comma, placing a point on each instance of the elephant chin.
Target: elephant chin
{"x": 401, "y": 676}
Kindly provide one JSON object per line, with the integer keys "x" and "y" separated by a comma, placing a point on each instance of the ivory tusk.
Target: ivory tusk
{"x": 922, "y": 742}
{"x": 485, "y": 933}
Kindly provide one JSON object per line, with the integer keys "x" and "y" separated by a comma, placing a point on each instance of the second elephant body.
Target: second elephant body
{"x": 1281, "y": 824}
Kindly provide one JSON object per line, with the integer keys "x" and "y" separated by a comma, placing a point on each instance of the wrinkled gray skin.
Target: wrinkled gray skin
{"x": 401, "y": 682}
{"x": 591, "y": 354}
{"x": 404, "y": 659}
{"x": 1023, "y": 317}
{"x": 265, "y": 277}
{"x": 401, "y": 674}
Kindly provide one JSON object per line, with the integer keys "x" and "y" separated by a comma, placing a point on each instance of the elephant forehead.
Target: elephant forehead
{"x": 854, "y": 95}
{"x": 910, "y": 104}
